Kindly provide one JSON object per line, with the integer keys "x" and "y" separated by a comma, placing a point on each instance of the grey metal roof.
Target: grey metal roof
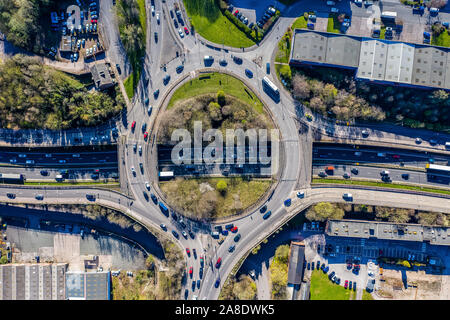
{"x": 389, "y": 231}
{"x": 375, "y": 59}
{"x": 87, "y": 285}
{"x": 32, "y": 281}
{"x": 296, "y": 259}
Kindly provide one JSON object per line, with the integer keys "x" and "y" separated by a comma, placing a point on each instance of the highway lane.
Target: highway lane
{"x": 374, "y": 173}
{"x": 49, "y": 174}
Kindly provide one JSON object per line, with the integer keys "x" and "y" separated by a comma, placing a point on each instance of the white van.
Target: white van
{"x": 348, "y": 196}
{"x": 59, "y": 177}
{"x": 447, "y": 145}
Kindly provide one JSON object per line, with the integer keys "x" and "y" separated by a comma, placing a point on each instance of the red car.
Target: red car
{"x": 219, "y": 261}
{"x": 396, "y": 156}
{"x": 97, "y": 170}
{"x": 145, "y": 135}
{"x": 133, "y": 125}
{"x": 190, "y": 272}
{"x": 186, "y": 30}
{"x": 234, "y": 229}
{"x": 346, "y": 284}
{"x": 94, "y": 21}
{"x": 236, "y": 12}
{"x": 188, "y": 252}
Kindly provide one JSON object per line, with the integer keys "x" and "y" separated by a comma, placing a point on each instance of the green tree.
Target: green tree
{"x": 221, "y": 186}
{"x": 221, "y": 99}
{"x": 324, "y": 211}
{"x": 4, "y": 260}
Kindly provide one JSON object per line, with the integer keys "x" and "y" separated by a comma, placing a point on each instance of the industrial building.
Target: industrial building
{"x": 32, "y": 281}
{"x": 88, "y": 285}
{"x": 45, "y": 281}
{"x": 388, "y": 231}
{"x": 383, "y": 61}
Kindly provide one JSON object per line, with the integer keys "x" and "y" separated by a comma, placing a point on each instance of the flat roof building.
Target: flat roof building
{"x": 388, "y": 231}
{"x": 88, "y": 285}
{"x": 32, "y": 281}
{"x": 101, "y": 76}
{"x": 384, "y": 61}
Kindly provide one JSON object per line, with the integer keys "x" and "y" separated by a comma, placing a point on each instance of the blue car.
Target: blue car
{"x": 217, "y": 283}
{"x": 154, "y": 198}
{"x": 175, "y": 234}
{"x": 248, "y": 73}
{"x": 267, "y": 215}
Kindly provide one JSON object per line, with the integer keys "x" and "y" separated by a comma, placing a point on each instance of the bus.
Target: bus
{"x": 11, "y": 178}
{"x": 435, "y": 170}
{"x": 271, "y": 89}
{"x": 165, "y": 175}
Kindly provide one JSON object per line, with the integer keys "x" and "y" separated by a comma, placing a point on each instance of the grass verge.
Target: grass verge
{"x": 382, "y": 185}
{"x": 323, "y": 289}
{"x": 214, "y": 26}
{"x": 300, "y": 23}
{"x": 213, "y": 82}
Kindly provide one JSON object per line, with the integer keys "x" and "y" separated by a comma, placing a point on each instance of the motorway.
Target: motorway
{"x": 295, "y": 154}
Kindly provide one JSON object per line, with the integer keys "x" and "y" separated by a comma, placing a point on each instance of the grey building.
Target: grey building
{"x": 296, "y": 260}
{"x": 32, "y": 281}
{"x": 328, "y": 49}
{"x": 101, "y": 76}
{"x": 388, "y": 231}
{"x": 384, "y": 61}
{"x": 88, "y": 285}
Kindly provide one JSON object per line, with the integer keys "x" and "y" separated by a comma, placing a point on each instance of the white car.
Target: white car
{"x": 334, "y": 10}
{"x": 181, "y": 33}
{"x": 140, "y": 150}
{"x": 62, "y": 161}
{"x": 133, "y": 170}
{"x": 147, "y": 185}
{"x": 157, "y": 17}
{"x": 153, "y": 10}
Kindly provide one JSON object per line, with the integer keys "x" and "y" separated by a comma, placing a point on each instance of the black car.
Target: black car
{"x": 171, "y": 14}
{"x": 337, "y": 280}
{"x": 318, "y": 265}
{"x": 249, "y": 73}
{"x": 141, "y": 166}
{"x": 312, "y": 265}
{"x": 354, "y": 286}
{"x": 156, "y": 36}
{"x": 156, "y": 94}
{"x": 331, "y": 275}
{"x": 322, "y": 266}
{"x": 308, "y": 266}
{"x": 191, "y": 234}
{"x": 154, "y": 198}
{"x": 174, "y": 216}
{"x": 263, "y": 209}
{"x": 11, "y": 195}
{"x": 166, "y": 79}
{"x": 186, "y": 294}
{"x": 194, "y": 252}
{"x": 223, "y": 62}
{"x": 198, "y": 284}
{"x": 44, "y": 172}
{"x": 229, "y": 226}
{"x": 355, "y": 171}
{"x": 180, "y": 69}
{"x": 175, "y": 234}
{"x": 237, "y": 60}
{"x": 193, "y": 285}
{"x": 405, "y": 176}
{"x": 175, "y": 23}
{"x": 145, "y": 195}
{"x": 200, "y": 273}
{"x": 231, "y": 248}
{"x": 237, "y": 237}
